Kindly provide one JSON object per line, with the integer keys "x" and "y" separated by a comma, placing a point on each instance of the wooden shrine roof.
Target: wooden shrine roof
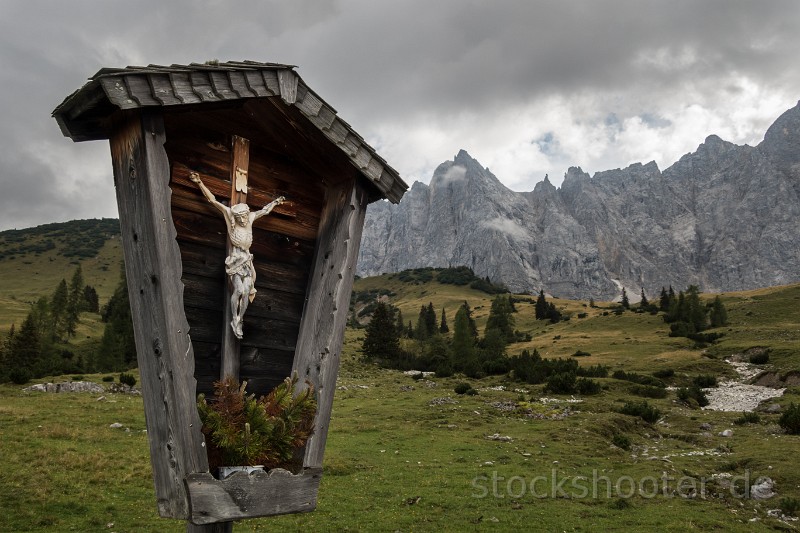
{"x": 84, "y": 115}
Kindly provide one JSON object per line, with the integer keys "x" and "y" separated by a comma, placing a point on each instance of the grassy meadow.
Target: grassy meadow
{"x": 406, "y": 454}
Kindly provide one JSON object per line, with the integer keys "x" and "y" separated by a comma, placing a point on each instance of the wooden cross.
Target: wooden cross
{"x": 240, "y": 162}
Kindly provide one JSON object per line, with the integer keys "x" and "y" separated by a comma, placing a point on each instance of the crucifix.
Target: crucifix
{"x": 239, "y": 267}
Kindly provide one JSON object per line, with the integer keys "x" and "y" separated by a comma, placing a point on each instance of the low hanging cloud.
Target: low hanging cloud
{"x": 507, "y": 227}
{"x": 611, "y": 83}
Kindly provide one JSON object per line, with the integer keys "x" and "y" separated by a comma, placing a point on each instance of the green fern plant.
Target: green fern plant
{"x": 241, "y": 430}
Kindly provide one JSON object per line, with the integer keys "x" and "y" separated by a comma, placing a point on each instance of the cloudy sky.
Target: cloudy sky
{"x": 527, "y": 87}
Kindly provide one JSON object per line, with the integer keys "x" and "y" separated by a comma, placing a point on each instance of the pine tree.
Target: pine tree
{"x": 23, "y": 357}
{"x": 75, "y": 301}
{"x": 719, "y": 315}
{"x": 443, "y": 328}
{"x": 541, "y": 311}
{"x": 58, "y": 311}
{"x": 500, "y": 318}
{"x": 430, "y": 320}
{"x": 696, "y": 312}
{"x": 473, "y": 328}
{"x": 463, "y": 342}
{"x": 663, "y": 301}
{"x": 91, "y": 299}
{"x": 381, "y": 341}
{"x": 401, "y": 327}
{"x": 625, "y": 302}
{"x": 421, "y": 329}
{"x": 117, "y": 347}
{"x": 644, "y": 302}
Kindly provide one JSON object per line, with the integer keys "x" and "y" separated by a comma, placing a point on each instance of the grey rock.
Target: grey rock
{"x": 726, "y": 433}
{"x": 763, "y": 489}
{"x": 634, "y": 227}
{"x": 115, "y": 425}
{"x": 705, "y": 426}
{"x": 67, "y": 386}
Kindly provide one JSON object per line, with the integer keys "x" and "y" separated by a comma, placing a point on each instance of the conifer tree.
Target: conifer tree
{"x": 74, "y": 302}
{"x": 644, "y": 302}
{"x": 430, "y": 320}
{"x": 421, "y": 329}
{"x": 500, "y": 318}
{"x": 719, "y": 315}
{"x": 91, "y": 299}
{"x": 625, "y": 302}
{"x": 117, "y": 347}
{"x": 58, "y": 311}
{"x": 443, "y": 327}
{"x": 381, "y": 342}
{"x": 473, "y": 328}
{"x": 663, "y": 301}
{"x": 463, "y": 342}
{"x": 23, "y": 356}
{"x": 401, "y": 327}
{"x": 541, "y": 310}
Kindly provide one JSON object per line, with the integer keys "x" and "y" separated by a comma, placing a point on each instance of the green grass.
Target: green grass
{"x": 394, "y": 461}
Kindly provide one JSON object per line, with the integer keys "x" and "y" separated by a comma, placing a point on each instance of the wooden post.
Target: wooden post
{"x": 240, "y": 162}
{"x": 321, "y": 335}
{"x": 161, "y": 332}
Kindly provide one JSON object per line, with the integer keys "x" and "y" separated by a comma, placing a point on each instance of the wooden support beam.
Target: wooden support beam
{"x": 321, "y": 335}
{"x": 153, "y": 268}
{"x": 240, "y": 167}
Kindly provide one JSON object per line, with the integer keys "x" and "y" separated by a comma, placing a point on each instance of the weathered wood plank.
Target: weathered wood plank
{"x": 249, "y": 496}
{"x": 319, "y": 342}
{"x": 287, "y": 80}
{"x": 161, "y": 331}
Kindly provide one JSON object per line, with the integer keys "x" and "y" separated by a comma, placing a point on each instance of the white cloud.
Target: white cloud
{"x": 508, "y": 227}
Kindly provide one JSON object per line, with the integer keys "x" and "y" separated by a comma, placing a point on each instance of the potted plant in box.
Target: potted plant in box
{"x": 243, "y": 432}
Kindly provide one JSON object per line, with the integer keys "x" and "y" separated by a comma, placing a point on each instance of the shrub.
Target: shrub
{"x": 471, "y": 392}
{"x": 621, "y": 441}
{"x": 747, "y": 418}
{"x": 462, "y": 388}
{"x": 693, "y": 394}
{"x": 641, "y": 379}
{"x": 643, "y": 410}
{"x": 580, "y": 353}
{"x": 790, "y": 419}
{"x": 760, "y": 358}
{"x": 444, "y": 370}
{"x": 127, "y": 379}
{"x": 665, "y": 373}
{"x": 20, "y": 376}
{"x": 243, "y": 430}
{"x": 587, "y": 387}
{"x": 561, "y": 383}
{"x": 108, "y": 379}
{"x": 77, "y": 378}
{"x": 705, "y": 381}
{"x": 790, "y": 506}
{"x": 594, "y": 371}
{"x": 648, "y": 391}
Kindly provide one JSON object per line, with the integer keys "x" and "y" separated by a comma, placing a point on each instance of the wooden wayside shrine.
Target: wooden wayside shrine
{"x": 253, "y": 132}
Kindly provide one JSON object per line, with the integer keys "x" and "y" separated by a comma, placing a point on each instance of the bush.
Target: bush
{"x": 462, "y": 388}
{"x": 643, "y": 410}
{"x": 561, "y": 383}
{"x": 760, "y": 358}
{"x": 790, "y": 419}
{"x": 641, "y": 379}
{"x": 647, "y": 391}
{"x": 108, "y": 379}
{"x": 471, "y": 392}
{"x": 580, "y": 353}
{"x": 77, "y": 378}
{"x": 587, "y": 387}
{"x": 127, "y": 379}
{"x": 747, "y": 418}
{"x": 693, "y": 394}
{"x": 444, "y": 370}
{"x": 665, "y": 373}
{"x": 705, "y": 381}
{"x": 621, "y": 441}
{"x": 594, "y": 371}
{"x": 20, "y": 376}
{"x": 790, "y": 506}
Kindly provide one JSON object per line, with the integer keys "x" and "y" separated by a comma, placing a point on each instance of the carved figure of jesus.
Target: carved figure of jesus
{"x": 239, "y": 264}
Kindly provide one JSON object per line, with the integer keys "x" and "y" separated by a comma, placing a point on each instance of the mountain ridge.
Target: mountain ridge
{"x": 720, "y": 217}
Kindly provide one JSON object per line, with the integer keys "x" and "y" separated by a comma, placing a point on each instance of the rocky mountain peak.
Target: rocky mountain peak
{"x": 637, "y": 226}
